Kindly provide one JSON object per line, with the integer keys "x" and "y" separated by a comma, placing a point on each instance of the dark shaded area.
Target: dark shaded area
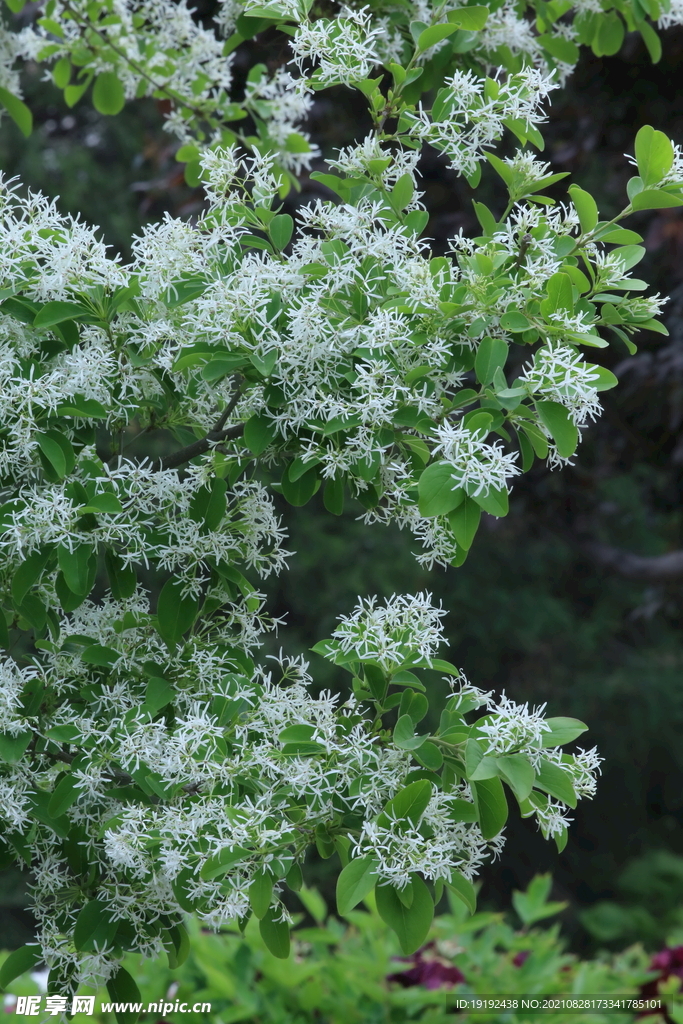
{"x": 546, "y": 607}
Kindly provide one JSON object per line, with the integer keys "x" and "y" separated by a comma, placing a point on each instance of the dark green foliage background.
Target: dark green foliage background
{"x": 530, "y": 612}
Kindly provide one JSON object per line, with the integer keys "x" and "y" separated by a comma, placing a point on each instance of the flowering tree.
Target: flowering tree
{"x": 149, "y": 766}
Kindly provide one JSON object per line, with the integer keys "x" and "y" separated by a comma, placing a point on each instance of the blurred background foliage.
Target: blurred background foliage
{"x": 576, "y": 598}
{"x": 351, "y": 973}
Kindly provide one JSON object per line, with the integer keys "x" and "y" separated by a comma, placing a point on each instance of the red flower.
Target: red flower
{"x": 669, "y": 963}
{"x": 430, "y": 972}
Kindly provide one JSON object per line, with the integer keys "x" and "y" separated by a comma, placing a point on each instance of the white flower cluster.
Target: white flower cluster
{"x": 438, "y": 846}
{"x": 343, "y": 47}
{"x": 46, "y": 254}
{"x": 477, "y": 466}
{"x": 385, "y": 633}
{"x": 162, "y": 45}
{"x": 513, "y": 726}
{"x": 472, "y": 112}
{"x": 144, "y": 750}
{"x": 560, "y": 374}
{"x": 370, "y": 157}
{"x": 283, "y": 103}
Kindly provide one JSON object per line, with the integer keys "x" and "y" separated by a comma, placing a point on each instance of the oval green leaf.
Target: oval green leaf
{"x": 355, "y": 882}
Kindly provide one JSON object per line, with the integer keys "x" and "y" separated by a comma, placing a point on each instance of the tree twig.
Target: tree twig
{"x": 665, "y": 568}
{"x": 219, "y": 432}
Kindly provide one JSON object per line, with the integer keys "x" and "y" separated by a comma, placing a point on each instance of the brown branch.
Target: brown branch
{"x": 219, "y": 432}
{"x": 191, "y": 451}
{"x": 644, "y": 568}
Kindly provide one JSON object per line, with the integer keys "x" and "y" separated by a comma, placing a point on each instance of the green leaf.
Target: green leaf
{"x": 354, "y": 883}
{"x": 73, "y": 93}
{"x": 333, "y": 496}
{"x": 123, "y": 990}
{"x": 104, "y": 502}
{"x": 83, "y": 408}
{"x": 463, "y": 810}
{"x": 503, "y": 169}
{"x": 464, "y": 890}
{"x": 654, "y": 155}
{"x": 620, "y": 236}
{"x": 303, "y": 748}
{"x": 610, "y": 35}
{"x": 655, "y": 199}
{"x": 177, "y": 944}
{"x": 259, "y": 432}
{"x": 471, "y": 19}
{"x": 13, "y": 747}
{"x": 415, "y": 705}
{"x": 158, "y": 693}
{"x": 19, "y": 962}
{"x": 63, "y": 796}
{"x": 404, "y": 734}
{"x": 314, "y": 903}
{"x": 491, "y": 355}
{"x": 634, "y": 186}
{"x": 18, "y": 111}
{"x": 296, "y": 734}
{"x": 405, "y": 678}
{"x": 562, "y": 730}
{"x": 107, "y": 95}
{"x": 295, "y": 878}
{"x": 560, "y": 294}
{"x": 175, "y": 613}
{"x": 402, "y": 192}
{"x": 429, "y": 755}
{"x": 77, "y": 567}
{"x": 654, "y": 48}
{"x": 275, "y": 934}
{"x": 514, "y": 322}
{"x": 464, "y": 522}
{"x": 57, "y": 452}
{"x": 484, "y": 216}
{"x": 28, "y": 573}
{"x": 61, "y": 73}
{"x": 553, "y": 780}
{"x": 411, "y": 924}
{"x": 474, "y": 753}
{"x": 209, "y": 504}
{"x": 518, "y": 772}
{"x": 606, "y": 379}
{"x": 180, "y": 892}
{"x": 486, "y": 767}
{"x": 97, "y": 654}
{"x": 437, "y": 491}
{"x": 532, "y": 905}
{"x": 495, "y": 502}
{"x": 433, "y": 35}
{"x": 560, "y": 48}
{"x": 122, "y": 579}
{"x": 557, "y": 421}
{"x": 261, "y": 892}
{"x": 281, "y": 229}
{"x": 586, "y": 207}
{"x": 94, "y": 927}
{"x": 57, "y": 312}
{"x": 222, "y": 862}
{"x": 215, "y": 368}
{"x": 409, "y": 804}
{"x": 561, "y": 838}
{"x": 492, "y": 807}
{"x": 298, "y": 492}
